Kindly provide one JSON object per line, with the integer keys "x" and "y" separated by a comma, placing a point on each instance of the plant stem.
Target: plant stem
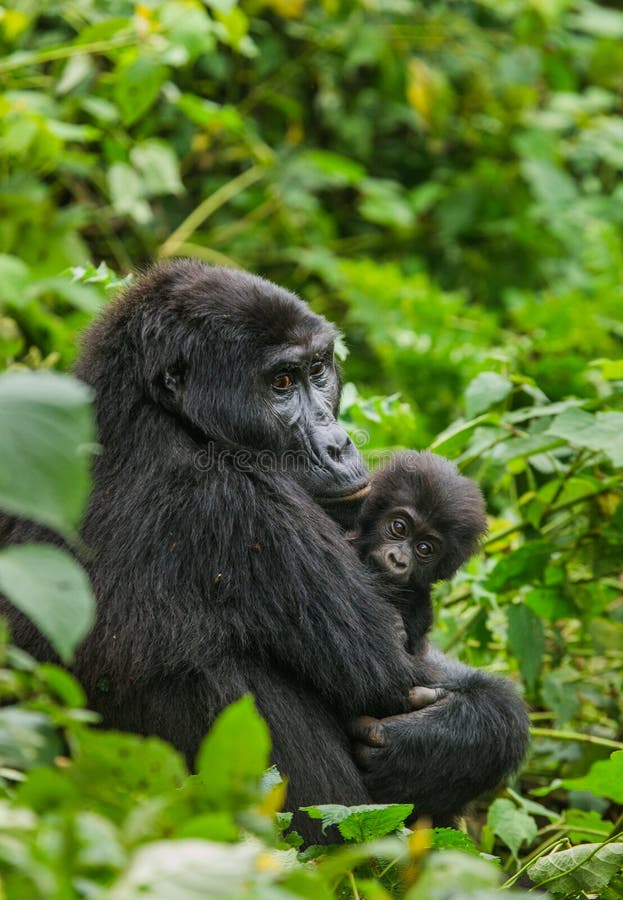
{"x": 208, "y": 206}
{"x": 576, "y": 736}
{"x": 36, "y": 57}
{"x": 353, "y": 886}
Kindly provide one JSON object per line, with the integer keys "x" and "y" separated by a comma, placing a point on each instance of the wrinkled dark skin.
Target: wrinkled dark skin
{"x": 217, "y": 570}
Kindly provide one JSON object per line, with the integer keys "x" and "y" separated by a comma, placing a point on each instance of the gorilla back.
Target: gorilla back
{"x": 216, "y": 569}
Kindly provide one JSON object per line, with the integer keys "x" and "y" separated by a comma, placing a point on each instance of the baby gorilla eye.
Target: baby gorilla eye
{"x": 317, "y": 368}
{"x": 398, "y": 528}
{"x": 424, "y": 548}
{"x": 283, "y": 381}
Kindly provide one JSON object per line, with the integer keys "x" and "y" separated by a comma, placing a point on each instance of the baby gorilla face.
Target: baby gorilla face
{"x": 407, "y": 548}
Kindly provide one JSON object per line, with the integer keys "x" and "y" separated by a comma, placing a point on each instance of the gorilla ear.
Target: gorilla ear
{"x": 173, "y": 379}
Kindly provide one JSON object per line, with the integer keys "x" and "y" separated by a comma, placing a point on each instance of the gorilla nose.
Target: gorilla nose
{"x": 337, "y": 442}
{"x": 399, "y": 563}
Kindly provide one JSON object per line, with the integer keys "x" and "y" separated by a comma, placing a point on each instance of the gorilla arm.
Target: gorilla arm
{"x": 292, "y": 591}
{"x": 445, "y": 754}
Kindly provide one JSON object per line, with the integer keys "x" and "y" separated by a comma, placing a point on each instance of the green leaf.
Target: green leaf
{"x": 14, "y": 278}
{"x": 52, "y": 589}
{"x": 189, "y": 869}
{"x": 127, "y": 192}
{"x": 361, "y": 823}
{"x": 587, "y": 823}
{"x": 520, "y": 567}
{"x": 604, "y": 778}
{"x": 602, "y": 432}
{"x": 158, "y": 166}
{"x": 526, "y": 639}
{"x": 383, "y": 202}
{"x": 27, "y": 739}
{"x": 115, "y": 772}
{"x": 454, "y": 875}
{"x": 588, "y": 868}
{"x": 452, "y": 839}
{"x": 44, "y": 470}
{"x": 137, "y": 86}
{"x": 215, "y": 826}
{"x": 511, "y": 824}
{"x": 453, "y": 440}
{"x": 484, "y": 391}
{"x": 234, "y": 756}
{"x": 338, "y": 169}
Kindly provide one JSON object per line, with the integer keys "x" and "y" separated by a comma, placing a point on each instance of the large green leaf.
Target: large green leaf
{"x": 234, "y": 756}
{"x": 361, "y": 823}
{"x": 601, "y": 432}
{"x": 605, "y": 778}
{"x": 484, "y": 391}
{"x": 44, "y": 465}
{"x": 588, "y": 868}
{"x": 526, "y": 639}
{"x": 512, "y": 824}
{"x": 52, "y": 589}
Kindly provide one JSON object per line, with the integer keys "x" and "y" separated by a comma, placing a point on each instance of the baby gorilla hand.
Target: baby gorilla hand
{"x": 369, "y": 733}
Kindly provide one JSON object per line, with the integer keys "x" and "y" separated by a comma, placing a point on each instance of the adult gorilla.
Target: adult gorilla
{"x": 217, "y": 570}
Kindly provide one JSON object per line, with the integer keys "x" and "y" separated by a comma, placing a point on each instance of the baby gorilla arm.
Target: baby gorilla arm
{"x": 472, "y": 733}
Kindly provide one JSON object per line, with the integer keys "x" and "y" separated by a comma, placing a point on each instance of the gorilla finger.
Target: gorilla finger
{"x": 368, "y": 730}
{"x": 365, "y": 756}
{"x": 419, "y": 697}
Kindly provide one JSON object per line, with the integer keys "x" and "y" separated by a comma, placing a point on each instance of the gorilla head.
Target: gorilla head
{"x": 238, "y": 364}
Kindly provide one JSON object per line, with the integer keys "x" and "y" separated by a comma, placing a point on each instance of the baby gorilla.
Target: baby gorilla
{"x": 420, "y": 522}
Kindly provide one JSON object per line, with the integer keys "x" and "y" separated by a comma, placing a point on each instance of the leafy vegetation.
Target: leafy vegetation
{"x": 443, "y": 180}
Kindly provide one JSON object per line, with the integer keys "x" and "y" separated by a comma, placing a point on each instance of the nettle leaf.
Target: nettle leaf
{"x": 511, "y": 824}
{"x": 604, "y": 778}
{"x": 601, "y": 432}
{"x": 234, "y": 756}
{"x": 361, "y": 823}
{"x": 526, "y": 639}
{"x": 589, "y": 867}
{"x": 52, "y": 589}
{"x": 452, "y": 839}
{"x": 484, "y": 391}
{"x": 46, "y": 425}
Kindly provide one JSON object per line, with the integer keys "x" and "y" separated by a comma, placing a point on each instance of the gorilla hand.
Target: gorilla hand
{"x": 460, "y": 742}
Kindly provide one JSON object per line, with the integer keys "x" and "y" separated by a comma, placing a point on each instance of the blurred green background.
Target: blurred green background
{"x": 444, "y": 181}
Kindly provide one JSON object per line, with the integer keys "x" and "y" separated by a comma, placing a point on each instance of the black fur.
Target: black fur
{"x": 216, "y": 579}
{"x": 438, "y": 506}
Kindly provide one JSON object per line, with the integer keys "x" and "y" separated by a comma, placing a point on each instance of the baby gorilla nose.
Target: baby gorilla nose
{"x": 397, "y": 561}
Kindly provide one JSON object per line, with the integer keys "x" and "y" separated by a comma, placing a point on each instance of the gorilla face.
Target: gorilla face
{"x": 302, "y": 389}
{"x": 244, "y": 367}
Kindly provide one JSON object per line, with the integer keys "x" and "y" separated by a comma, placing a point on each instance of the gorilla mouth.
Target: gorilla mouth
{"x": 358, "y": 494}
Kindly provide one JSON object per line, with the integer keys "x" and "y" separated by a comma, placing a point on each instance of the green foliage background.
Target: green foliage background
{"x": 443, "y": 180}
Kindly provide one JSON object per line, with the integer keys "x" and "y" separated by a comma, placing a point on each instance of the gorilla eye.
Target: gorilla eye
{"x": 398, "y": 528}
{"x": 424, "y": 548}
{"x": 283, "y": 381}
{"x": 317, "y": 368}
